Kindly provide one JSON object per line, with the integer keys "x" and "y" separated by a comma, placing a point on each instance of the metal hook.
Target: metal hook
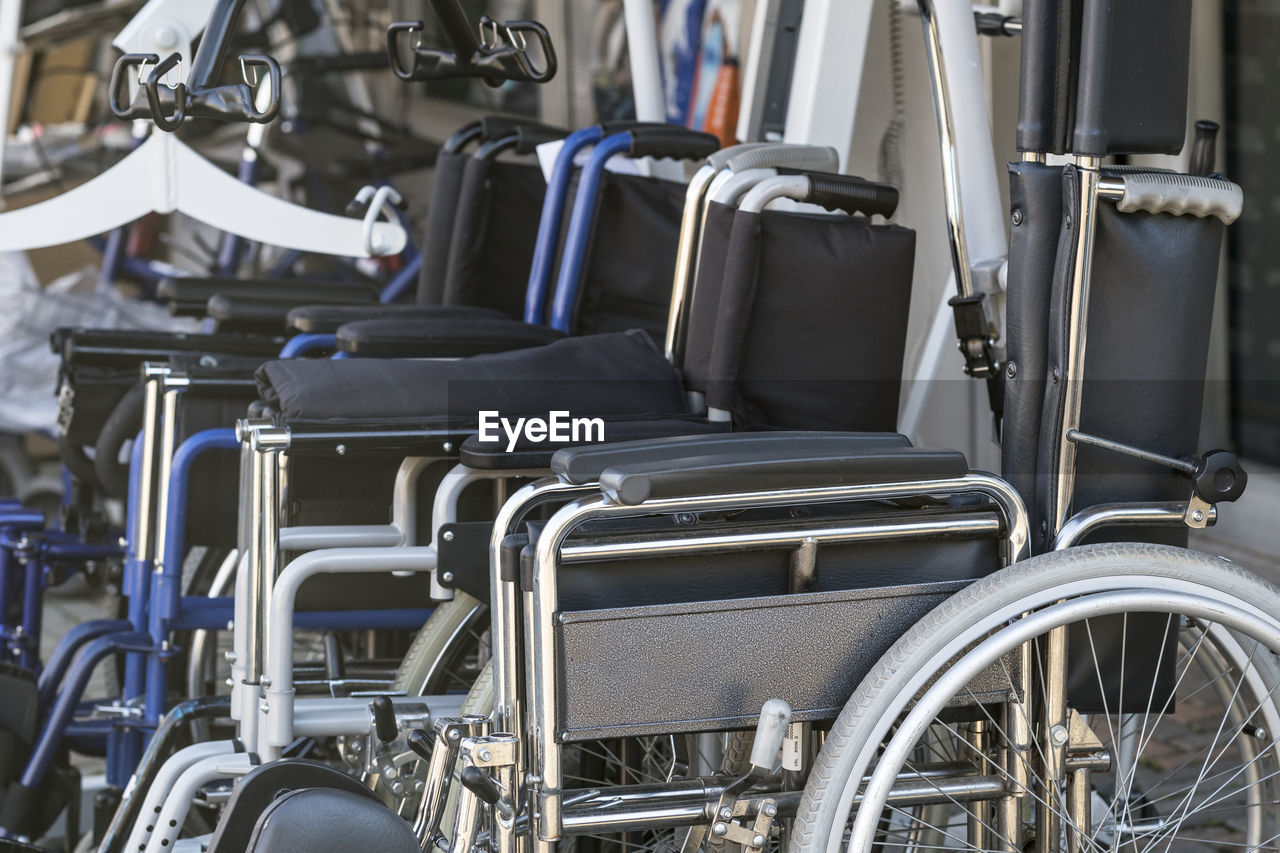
{"x": 178, "y": 68}
{"x": 486, "y": 21}
{"x": 244, "y": 74}
{"x": 142, "y": 71}
{"x": 514, "y": 35}
{"x": 380, "y": 201}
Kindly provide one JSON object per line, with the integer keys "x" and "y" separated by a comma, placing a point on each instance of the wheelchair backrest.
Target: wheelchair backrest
{"x": 1103, "y": 79}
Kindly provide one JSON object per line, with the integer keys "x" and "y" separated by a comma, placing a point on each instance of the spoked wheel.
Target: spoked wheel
{"x": 1112, "y": 697}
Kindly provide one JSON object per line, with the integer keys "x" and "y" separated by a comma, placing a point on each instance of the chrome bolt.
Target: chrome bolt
{"x": 1058, "y": 734}
{"x": 1197, "y": 516}
{"x": 230, "y": 656}
{"x": 266, "y": 681}
{"x": 720, "y": 829}
{"x": 726, "y": 813}
{"x": 447, "y": 536}
{"x": 770, "y": 810}
{"x": 448, "y": 447}
{"x": 264, "y": 707}
{"x": 485, "y": 755}
{"x": 446, "y": 577}
{"x": 758, "y": 841}
{"x": 341, "y": 449}
{"x": 1017, "y": 216}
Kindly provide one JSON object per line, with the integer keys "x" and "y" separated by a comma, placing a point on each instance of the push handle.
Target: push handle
{"x": 775, "y": 716}
{"x": 672, "y": 141}
{"x": 529, "y": 137}
{"x": 852, "y": 194}
{"x": 1180, "y": 195}
{"x": 1204, "y": 148}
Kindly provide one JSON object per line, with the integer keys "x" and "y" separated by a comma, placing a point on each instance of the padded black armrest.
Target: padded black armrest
{"x": 788, "y": 469}
{"x": 327, "y": 319}
{"x": 189, "y": 296}
{"x": 585, "y": 465}
{"x": 494, "y": 456}
{"x": 132, "y": 346}
{"x": 455, "y": 338}
{"x": 251, "y": 314}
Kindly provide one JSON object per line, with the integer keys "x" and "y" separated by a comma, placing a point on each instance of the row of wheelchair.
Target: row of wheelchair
{"x": 610, "y": 541}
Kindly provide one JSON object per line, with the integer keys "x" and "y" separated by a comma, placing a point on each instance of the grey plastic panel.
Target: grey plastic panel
{"x": 710, "y": 666}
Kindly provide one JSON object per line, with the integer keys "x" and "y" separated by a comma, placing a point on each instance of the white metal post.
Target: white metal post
{"x": 646, "y": 67}
{"x": 10, "y": 21}
{"x": 828, "y": 73}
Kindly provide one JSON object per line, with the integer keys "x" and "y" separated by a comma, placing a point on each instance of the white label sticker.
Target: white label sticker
{"x": 791, "y": 743}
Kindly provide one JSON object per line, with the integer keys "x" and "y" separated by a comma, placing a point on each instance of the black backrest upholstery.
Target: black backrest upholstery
{"x": 494, "y": 230}
{"x": 1135, "y": 58}
{"x": 1050, "y": 35}
{"x": 799, "y": 321}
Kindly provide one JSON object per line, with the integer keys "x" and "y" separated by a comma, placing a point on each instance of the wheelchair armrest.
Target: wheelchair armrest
{"x": 441, "y": 338}
{"x": 790, "y": 468}
{"x": 189, "y": 296}
{"x": 494, "y": 456}
{"x": 327, "y": 319}
{"x": 261, "y": 313}
{"x": 585, "y": 465}
{"x": 109, "y": 347}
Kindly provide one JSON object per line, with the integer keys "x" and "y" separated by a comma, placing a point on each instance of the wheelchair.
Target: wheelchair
{"x": 1040, "y": 686}
{"x": 757, "y": 616}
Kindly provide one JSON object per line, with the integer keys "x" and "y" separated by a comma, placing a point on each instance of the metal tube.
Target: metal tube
{"x": 957, "y": 526}
{"x": 1087, "y": 521}
{"x": 646, "y": 63}
{"x": 1072, "y": 371}
{"x": 950, "y": 158}
{"x": 1054, "y": 736}
{"x": 542, "y": 668}
{"x": 686, "y": 257}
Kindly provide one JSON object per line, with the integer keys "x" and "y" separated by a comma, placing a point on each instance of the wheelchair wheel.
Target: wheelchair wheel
{"x": 449, "y": 651}
{"x": 952, "y": 740}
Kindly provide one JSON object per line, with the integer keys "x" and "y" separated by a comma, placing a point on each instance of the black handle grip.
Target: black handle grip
{"x": 481, "y": 785}
{"x": 384, "y": 719}
{"x": 672, "y": 141}
{"x": 493, "y": 128}
{"x": 1204, "y": 148}
{"x": 421, "y": 744}
{"x": 852, "y": 195}
{"x": 609, "y": 128}
{"x": 529, "y": 138}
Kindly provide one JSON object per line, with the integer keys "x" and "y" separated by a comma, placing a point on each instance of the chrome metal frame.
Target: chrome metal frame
{"x": 544, "y": 750}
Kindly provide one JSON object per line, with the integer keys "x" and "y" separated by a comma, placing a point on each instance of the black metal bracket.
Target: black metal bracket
{"x": 500, "y": 53}
{"x": 198, "y": 95}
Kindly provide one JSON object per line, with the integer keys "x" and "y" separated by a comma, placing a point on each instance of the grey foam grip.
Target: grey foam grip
{"x": 721, "y": 158}
{"x": 812, "y": 157}
{"x": 1165, "y": 192}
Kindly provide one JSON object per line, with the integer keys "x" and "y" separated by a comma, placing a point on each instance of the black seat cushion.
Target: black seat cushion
{"x": 619, "y": 374}
{"x": 334, "y": 821}
{"x": 325, "y": 319}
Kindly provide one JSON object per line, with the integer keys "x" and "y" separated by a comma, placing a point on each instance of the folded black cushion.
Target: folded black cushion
{"x": 325, "y": 319}
{"x": 618, "y": 374}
